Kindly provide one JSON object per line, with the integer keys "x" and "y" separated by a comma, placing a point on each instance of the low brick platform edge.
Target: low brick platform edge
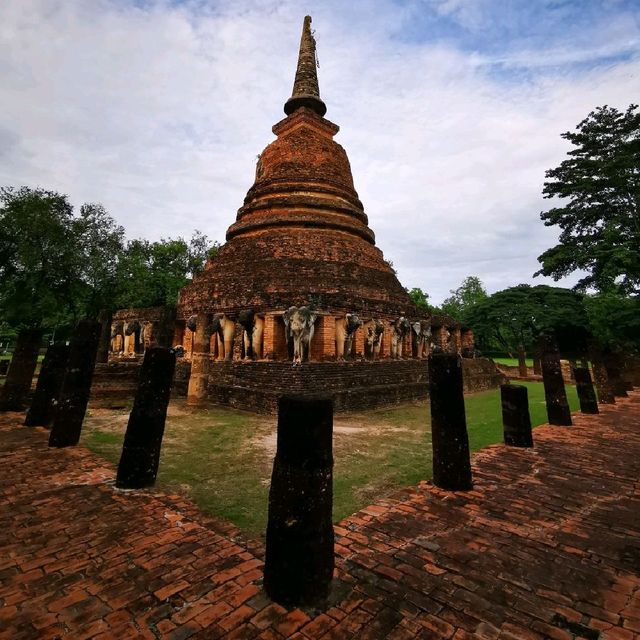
{"x": 353, "y": 385}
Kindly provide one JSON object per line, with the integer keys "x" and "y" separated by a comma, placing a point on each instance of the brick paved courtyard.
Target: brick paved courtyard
{"x": 547, "y": 545}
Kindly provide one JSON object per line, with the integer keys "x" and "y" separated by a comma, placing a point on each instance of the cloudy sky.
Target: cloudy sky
{"x": 450, "y": 111}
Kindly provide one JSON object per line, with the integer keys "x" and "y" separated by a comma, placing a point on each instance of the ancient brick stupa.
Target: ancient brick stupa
{"x": 300, "y": 280}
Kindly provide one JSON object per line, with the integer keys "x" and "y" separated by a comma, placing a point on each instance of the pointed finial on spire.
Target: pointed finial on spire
{"x": 305, "y": 87}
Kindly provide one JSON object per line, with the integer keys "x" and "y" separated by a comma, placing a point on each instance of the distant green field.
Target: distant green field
{"x": 512, "y": 362}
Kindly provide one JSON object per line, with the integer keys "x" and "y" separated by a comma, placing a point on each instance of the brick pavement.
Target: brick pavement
{"x": 547, "y": 545}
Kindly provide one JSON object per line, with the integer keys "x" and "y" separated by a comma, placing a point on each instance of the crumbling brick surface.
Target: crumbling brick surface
{"x": 544, "y": 546}
{"x": 354, "y": 385}
{"x": 301, "y": 236}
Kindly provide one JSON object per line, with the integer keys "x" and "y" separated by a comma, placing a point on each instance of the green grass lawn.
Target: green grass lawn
{"x": 222, "y": 458}
{"x": 512, "y": 362}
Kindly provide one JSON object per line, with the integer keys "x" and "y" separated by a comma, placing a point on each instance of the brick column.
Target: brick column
{"x": 357, "y": 350}
{"x": 385, "y": 351}
{"x": 200, "y": 357}
{"x": 605, "y": 392}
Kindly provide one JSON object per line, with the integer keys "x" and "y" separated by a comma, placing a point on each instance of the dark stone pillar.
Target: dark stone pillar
{"x": 586, "y": 392}
{"x": 603, "y": 386}
{"x": 515, "y": 415}
{"x": 76, "y": 386}
{"x": 165, "y": 328}
{"x": 537, "y": 366}
{"x": 142, "y": 441}
{"x": 522, "y": 362}
{"x": 451, "y": 464}
{"x": 4, "y": 367}
{"x": 558, "y": 410}
{"x": 612, "y": 365}
{"x": 105, "y": 336}
{"x": 42, "y": 408}
{"x": 17, "y": 385}
{"x": 299, "y": 546}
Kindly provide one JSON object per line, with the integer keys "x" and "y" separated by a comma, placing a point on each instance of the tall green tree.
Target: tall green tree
{"x": 517, "y": 315}
{"x": 152, "y": 273}
{"x": 38, "y": 262}
{"x": 419, "y": 298}
{"x": 599, "y": 187}
{"x": 462, "y": 299}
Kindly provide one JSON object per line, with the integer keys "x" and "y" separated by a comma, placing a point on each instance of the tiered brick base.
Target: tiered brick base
{"x": 545, "y": 546}
{"x": 354, "y": 385}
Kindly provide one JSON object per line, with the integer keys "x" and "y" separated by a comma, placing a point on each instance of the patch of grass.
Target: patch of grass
{"x": 222, "y": 459}
{"x": 512, "y": 362}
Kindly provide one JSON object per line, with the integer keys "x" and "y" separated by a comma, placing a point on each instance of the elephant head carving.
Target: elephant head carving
{"x": 131, "y": 327}
{"x": 224, "y": 328}
{"x": 299, "y": 327}
{"x": 421, "y": 338}
{"x": 345, "y": 330}
{"x": 253, "y": 326}
{"x": 373, "y": 338}
{"x": 191, "y": 322}
{"x": 399, "y": 329}
{"x": 117, "y": 336}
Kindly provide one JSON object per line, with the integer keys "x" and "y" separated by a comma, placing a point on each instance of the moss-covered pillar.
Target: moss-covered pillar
{"x": 200, "y": 359}
{"x": 451, "y": 463}
{"x": 515, "y": 415}
{"x": 586, "y": 392}
{"x": 299, "y": 545}
{"x": 42, "y": 409}
{"x": 143, "y": 439}
{"x": 14, "y": 393}
{"x": 76, "y": 386}
{"x": 558, "y": 411}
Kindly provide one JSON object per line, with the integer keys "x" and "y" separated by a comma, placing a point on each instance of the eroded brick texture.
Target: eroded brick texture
{"x": 544, "y": 546}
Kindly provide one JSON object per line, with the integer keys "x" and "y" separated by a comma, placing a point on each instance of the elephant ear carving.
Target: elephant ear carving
{"x": 312, "y": 318}
{"x": 216, "y": 322}
{"x": 191, "y": 323}
{"x": 131, "y": 327}
{"x": 416, "y": 328}
{"x": 286, "y": 317}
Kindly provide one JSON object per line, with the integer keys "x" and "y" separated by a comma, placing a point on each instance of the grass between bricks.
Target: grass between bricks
{"x": 222, "y": 458}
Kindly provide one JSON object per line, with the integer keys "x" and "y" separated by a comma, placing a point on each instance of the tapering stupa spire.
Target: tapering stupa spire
{"x": 305, "y": 87}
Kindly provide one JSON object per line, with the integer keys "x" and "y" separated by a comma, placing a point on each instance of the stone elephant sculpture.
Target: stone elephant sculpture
{"x": 117, "y": 336}
{"x": 299, "y": 327}
{"x": 146, "y": 334}
{"x": 421, "y": 338}
{"x": 373, "y": 331}
{"x": 400, "y": 327}
{"x": 253, "y": 326}
{"x": 191, "y": 323}
{"x": 132, "y": 332}
{"x": 345, "y": 330}
{"x": 224, "y": 327}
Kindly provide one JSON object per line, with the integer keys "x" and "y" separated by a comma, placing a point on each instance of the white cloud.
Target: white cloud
{"x": 159, "y": 113}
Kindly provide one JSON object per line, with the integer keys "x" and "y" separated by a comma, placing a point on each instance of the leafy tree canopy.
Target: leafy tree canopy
{"x": 615, "y": 320}
{"x": 600, "y": 222}
{"x": 419, "y": 298}
{"x": 152, "y": 273}
{"x": 56, "y": 267}
{"x": 462, "y": 299}
{"x": 517, "y": 315}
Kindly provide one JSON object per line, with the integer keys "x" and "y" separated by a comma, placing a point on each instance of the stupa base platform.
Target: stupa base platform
{"x": 355, "y": 385}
